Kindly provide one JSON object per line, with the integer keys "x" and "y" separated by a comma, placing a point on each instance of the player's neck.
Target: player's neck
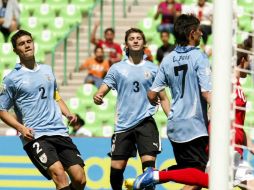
{"x": 29, "y": 64}
{"x": 136, "y": 56}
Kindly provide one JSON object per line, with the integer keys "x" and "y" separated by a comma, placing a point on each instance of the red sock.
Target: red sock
{"x": 188, "y": 176}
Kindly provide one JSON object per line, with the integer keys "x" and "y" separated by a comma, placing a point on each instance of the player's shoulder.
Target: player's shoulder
{"x": 151, "y": 65}
{"x": 45, "y": 67}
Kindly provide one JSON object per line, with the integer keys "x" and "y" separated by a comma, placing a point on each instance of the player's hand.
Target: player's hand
{"x": 156, "y": 101}
{"x": 27, "y": 133}
{"x": 98, "y": 99}
{"x": 71, "y": 118}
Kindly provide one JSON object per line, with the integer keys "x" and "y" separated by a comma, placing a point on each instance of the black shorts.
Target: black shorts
{"x": 144, "y": 138}
{"x": 191, "y": 154}
{"x": 46, "y": 150}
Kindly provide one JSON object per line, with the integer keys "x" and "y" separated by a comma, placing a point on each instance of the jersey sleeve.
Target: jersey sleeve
{"x": 110, "y": 78}
{"x": 159, "y": 82}
{"x": 7, "y": 92}
{"x": 204, "y": 73}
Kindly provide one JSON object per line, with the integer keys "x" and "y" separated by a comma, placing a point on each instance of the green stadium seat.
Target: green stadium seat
{"x": 45, "y": 14}
{"x": 71, "y": 14}
{"x": 57, "y": 5}
{"x": 46, "y": 40}
{"x": 59, "y": 27}
{"x": 1, "y": 38}
{"x": 83, "y": 5}
{"x": 7, "y": 56}
{"x": 32, "y": 24}
{"x": 30, "y": 5}
{"x": 148, "y": 26}
{"x": 245, "y": 23}
{"x": 86, "y": 91}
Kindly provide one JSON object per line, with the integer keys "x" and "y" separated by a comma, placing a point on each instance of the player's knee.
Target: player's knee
{"x": 146, "y": 164}
{"x": 116, "y": 178}
{"x": 59, "y": 177}
{"x": 79, "y": 181}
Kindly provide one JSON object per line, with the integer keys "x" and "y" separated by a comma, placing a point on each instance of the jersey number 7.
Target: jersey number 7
{"x": 183, "y": 68}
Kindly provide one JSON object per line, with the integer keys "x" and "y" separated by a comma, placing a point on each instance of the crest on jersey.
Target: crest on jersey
{"x": 147, "y": 74}
{"x": 43, "y": 158}
{"x": 2, "y": 88}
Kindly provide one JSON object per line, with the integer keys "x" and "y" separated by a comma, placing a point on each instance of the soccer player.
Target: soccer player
{"x": 186, "y": 71}
{"x": 188, "y": 172}
{"x": 31, "y": 89}
{"x": 135, "y": 128}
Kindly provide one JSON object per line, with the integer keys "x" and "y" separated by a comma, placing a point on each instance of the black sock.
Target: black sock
{"x": 71, "y": 187}
{"x": 116, "y": 178}
{"x": 148, "y": 164}
{"x": 66, "y": 188}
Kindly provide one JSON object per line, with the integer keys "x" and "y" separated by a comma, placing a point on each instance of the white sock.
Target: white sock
{"x": 156, "y": 176}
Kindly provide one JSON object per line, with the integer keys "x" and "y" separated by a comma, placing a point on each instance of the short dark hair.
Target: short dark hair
{"x": 17, "y": 35}
{"x": 183, "y": 25}
{"x": 98, "y": 47}
{"x": 109, "y": 30}
{"x": 240, "y": 55}
{"x": 133, "y": 30}
{"x": 164, "y": 31}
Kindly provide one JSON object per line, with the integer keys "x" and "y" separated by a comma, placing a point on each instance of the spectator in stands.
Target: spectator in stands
{"x": 113, "y": 51}
{"x": 248, "y": 43}
{"x": 166, "y": 47}
{"x": 96, "y": 66}
{"x": 9, "y": 17}
{"x": 148, "y": 53}
{"x": 78, "y": 128}
{"x": 204, "y": 12}
{"x": 169, "y": 11}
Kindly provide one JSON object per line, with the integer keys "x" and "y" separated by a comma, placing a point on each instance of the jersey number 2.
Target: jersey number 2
{"x": 43, "y": 93}
{"x": 183, "y": 68}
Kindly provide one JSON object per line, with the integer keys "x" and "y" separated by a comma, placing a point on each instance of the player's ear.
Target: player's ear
{"x": 14, "y": 50}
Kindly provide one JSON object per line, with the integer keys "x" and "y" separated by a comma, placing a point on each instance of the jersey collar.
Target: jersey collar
{"x": 19, "y": 66}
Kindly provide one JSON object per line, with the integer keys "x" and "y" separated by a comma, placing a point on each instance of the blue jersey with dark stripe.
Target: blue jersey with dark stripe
{"x": 186, "y": 71}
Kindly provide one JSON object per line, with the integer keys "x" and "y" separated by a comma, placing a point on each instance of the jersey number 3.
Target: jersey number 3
{"x": 43, "y": 93}
{"x": 136, "y": 86}
{"x": 183, "y": 68}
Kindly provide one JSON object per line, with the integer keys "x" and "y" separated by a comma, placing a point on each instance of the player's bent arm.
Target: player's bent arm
{"x": 12, "y": 122}
{"x": 153, "y": 97}
{"x": 165, "y": 103}
{"x": 98, "y": 97}
{"x": 207, "y": 96}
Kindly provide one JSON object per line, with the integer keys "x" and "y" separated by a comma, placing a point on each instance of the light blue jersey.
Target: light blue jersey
{"x": 131, "y": 83}
{"x": 186, "y": 71}
{"x": 31, "y": 92}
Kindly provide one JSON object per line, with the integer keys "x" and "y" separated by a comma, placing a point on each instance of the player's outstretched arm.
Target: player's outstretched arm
{"x": 26, "y": 132}
{"x": 98, "y": 97}
{"x": 165, "y": 102}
